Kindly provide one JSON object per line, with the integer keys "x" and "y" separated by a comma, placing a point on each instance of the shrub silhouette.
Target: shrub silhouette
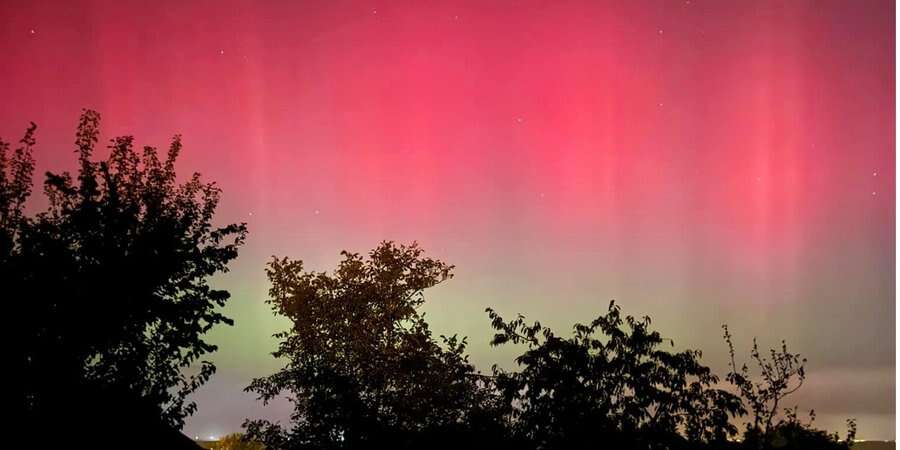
{"x": 108, "y": 285}
{"x": 236, "y": 441}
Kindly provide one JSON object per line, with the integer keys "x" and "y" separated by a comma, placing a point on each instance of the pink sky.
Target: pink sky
{"x": 699, "y": 161}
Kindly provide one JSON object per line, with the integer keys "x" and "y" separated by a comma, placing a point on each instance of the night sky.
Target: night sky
{"x": 702, "y": 162}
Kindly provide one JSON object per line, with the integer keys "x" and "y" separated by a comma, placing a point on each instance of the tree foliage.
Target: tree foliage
{"x": 363, "y": 368}
{"x": 109, "y": 293}
{"x": 110, "y": 282}
{"x": 612, "y": 381}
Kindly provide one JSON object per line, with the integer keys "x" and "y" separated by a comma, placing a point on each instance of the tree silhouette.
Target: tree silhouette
{"x": 110, "y": 300}
{"x": 363, "y": 370}
{"x": 109, "y": 285}
{"x": 611, "y": 383}
{"x": 780, "y": 374}
{"x": 362, "y": 365}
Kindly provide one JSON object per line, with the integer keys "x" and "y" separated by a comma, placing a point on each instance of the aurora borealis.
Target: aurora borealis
{"x": 701, "y": 162}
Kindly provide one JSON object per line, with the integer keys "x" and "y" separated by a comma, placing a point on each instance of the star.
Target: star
{"x": 32, "y": 31}
{"x": 374, "y": 11}
{"x": 875, "y": 173}
{"x": 316, "y": 212}
{"x": 221, "y": 52}
{"x": 455, "y": 17}
{"x": 519, "y": 119}
{"x": 873, "y": 193}
{"x": 660, "y": 31}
